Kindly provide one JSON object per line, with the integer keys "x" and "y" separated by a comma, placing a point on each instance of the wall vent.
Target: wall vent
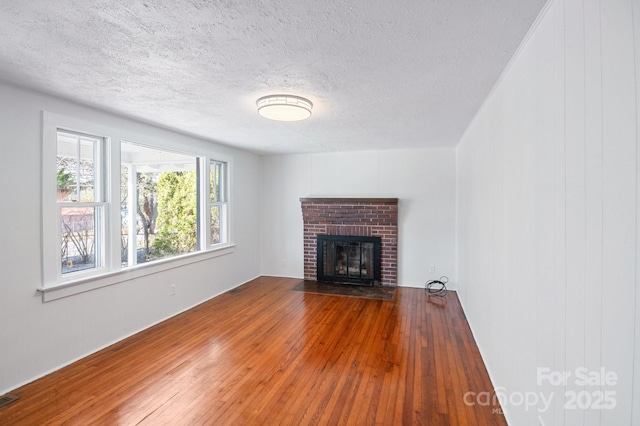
{"x": 7, "y": 399}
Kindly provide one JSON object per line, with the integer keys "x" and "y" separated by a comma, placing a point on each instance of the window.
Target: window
{"x": 217, "y": 202}
{"x": 111, "y": 205}
{"x": 159, "y": 204}
{"x": 80, "y": 201}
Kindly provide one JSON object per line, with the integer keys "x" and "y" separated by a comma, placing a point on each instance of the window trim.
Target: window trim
{"x": 53, "y": 285}
{"x": 100, "y": 205}
{"x": 50, "y": 244}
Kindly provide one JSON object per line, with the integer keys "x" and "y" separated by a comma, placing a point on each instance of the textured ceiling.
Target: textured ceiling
{"x": 381, "y": 74}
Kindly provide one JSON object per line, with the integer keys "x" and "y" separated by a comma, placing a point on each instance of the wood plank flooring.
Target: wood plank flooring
{"x": 264, "y": 354}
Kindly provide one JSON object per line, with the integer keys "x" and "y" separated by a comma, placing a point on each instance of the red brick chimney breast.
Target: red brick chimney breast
{"x": 370, "y": 217}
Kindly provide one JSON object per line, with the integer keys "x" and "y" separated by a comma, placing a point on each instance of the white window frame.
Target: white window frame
{"x": 51, "y": 256}
{"x": 133, "y": 207}
{"x": 54, "y": 285}
{"x": 223, "y": 204}
{"x": 100, "y": 205}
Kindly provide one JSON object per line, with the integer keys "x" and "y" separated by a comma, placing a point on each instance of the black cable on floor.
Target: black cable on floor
{"x": 437, "y": 287}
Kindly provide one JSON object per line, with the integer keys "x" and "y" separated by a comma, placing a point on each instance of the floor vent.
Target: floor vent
{"x": 7, "y": 399}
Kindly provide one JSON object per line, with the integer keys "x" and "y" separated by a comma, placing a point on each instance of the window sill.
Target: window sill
{"x": 70, "y": 288}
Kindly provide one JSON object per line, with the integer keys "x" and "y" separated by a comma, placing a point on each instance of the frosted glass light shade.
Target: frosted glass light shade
{"x": 284, "y": 107}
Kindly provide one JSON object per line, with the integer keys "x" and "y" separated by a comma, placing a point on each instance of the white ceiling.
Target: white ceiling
{"x": 382, "y": 74}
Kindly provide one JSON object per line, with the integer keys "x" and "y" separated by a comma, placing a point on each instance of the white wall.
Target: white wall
{"x": 422, "y": 180}
{"x": 37, "y": 337}
{"x": 547, "y": 201}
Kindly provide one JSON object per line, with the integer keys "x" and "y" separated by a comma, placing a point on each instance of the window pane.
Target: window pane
{"x": 215, "y": 182}
{"x": 78, "y": 245}
{"x": 177, "y": 222}
{"x": 147, "y": 216}
{"x": 215, "y": 224}
{"x": 86, "y": 171}
{"x": 164, "y": 206}
{"x": 218, "y": 199}
{"x": 67, "y": 167}
{"x": 124, "y": 216}
{"x": 76, "y": 170}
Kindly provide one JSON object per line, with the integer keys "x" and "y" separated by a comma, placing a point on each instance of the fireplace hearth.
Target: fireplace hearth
{"x": 348, "y": 259}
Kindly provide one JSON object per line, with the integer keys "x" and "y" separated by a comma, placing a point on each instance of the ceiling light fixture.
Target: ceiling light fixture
{"x": 284, "y": 107}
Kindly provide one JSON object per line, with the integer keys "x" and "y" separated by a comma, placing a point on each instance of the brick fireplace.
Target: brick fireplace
{"x": 366, "y": 217}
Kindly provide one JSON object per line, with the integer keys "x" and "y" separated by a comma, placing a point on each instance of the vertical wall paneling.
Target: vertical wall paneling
{"x": 507, "y": 226}
{"x": 519, "y": 178}
{"x": 574, "y": 101}
{"x": 559, "y": 203}
{"x": 494, "y": 273}
{"x": 583, "y": 190}
{"x": 619, "y": 194}
{"x": 635, "y": 415}
{"x": 546, "y": 307}
{"x": 593, "y": 195}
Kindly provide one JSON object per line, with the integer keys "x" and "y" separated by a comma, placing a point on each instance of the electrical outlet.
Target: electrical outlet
{"x": 432, "y": 268}
{"x": 172, "y": 289}
{"x": 284, "y": 263}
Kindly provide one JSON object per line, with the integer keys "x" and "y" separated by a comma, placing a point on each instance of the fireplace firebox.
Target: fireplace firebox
{"x": 348, "y": 259}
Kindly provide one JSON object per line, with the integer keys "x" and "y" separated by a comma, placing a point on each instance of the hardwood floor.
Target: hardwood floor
{"x": 264, "y": 354}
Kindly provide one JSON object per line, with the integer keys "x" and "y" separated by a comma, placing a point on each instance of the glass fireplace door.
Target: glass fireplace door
{"x": 348, "y": 259}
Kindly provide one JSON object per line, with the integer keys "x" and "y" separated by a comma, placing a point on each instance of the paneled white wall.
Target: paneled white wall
{"x": 422, "y": 180}
{"x": 36, "y": 338}
{"x": 547, "y": 201}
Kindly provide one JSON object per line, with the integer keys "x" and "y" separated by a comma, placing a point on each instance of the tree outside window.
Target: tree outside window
{"x": 159, "y": 204}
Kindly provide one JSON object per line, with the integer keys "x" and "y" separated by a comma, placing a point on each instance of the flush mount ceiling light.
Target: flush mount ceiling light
{"x": 284, "y": 107}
